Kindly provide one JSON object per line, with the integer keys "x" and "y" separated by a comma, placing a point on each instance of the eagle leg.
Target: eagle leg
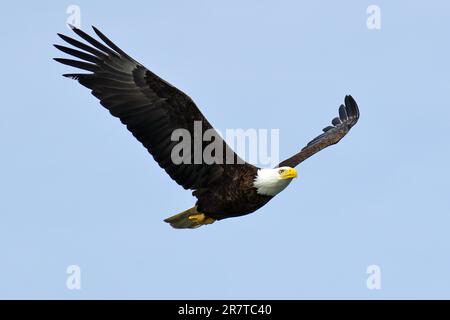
{"x": 189, "y": 219}
{"x": 201, "y": 218}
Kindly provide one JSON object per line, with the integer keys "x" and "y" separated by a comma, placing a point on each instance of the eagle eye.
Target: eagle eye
{"x": 280, "y": 171}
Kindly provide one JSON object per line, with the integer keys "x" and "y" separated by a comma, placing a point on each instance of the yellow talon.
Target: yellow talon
{"x": 201, "y": 219}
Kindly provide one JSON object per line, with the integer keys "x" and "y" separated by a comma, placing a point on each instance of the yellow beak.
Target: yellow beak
{"x": 290, "y": 173}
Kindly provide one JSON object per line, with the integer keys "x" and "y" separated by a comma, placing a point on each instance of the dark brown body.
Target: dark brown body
{"x": 233, "y": 196}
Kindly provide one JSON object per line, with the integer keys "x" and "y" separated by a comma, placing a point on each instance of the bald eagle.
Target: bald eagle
{"x": 152, "y": 109}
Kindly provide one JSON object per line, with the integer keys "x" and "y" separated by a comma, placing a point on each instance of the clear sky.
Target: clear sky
{"x": 77, "y": 189}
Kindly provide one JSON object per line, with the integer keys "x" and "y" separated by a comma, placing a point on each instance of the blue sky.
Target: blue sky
{"x": 77, "y": 189}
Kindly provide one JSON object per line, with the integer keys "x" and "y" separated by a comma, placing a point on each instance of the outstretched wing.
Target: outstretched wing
{"x": 348, "y": 116}
{"x": 150, "y": 107}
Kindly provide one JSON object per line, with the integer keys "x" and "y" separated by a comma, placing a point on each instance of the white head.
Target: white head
{"x": 270, "y": 182}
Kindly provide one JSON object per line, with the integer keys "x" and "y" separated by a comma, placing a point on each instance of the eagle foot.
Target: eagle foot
{"x": 201, "y": 218}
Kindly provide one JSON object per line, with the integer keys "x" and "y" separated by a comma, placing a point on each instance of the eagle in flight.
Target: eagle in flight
{"x": 152, "y": 109}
